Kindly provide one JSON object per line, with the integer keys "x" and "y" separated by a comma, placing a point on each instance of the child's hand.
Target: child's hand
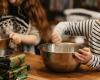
{"x": 16, "y": 38}
{"x": 56, "y": 38}
{"x": 83, "y": 55}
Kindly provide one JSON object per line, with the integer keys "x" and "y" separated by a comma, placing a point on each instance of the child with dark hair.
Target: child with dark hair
{"x": 27, "y": 23}
{"x": 88, "y": 28}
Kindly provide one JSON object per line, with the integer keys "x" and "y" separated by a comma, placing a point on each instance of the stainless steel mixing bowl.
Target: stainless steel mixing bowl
{"x": 59, "y": 57}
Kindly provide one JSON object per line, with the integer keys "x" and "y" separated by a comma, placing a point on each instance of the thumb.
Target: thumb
{"x": 11, "y": 35}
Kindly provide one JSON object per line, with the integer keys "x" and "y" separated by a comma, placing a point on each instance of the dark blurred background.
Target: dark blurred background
{"x": 55, "y": 8}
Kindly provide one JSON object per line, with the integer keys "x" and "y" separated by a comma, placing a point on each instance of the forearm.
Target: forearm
{"x": 60, "y": 28}
{"x": 30, "y": 39}
{"x": 81, "y": 28}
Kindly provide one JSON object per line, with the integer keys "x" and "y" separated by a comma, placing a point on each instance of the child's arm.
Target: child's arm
{"x": 90, "y": 29}
{"x": 32, "y": 38}
{"x": 82, "y": 28}
{"x": 75, "y": 28}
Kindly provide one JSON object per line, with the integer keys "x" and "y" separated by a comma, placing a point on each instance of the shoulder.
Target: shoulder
{"x": 5, "y": 18}
{"x": 21, "y": 26}
{"x": 6, "y": 21}
{"x": 18, "y": 24}
{"x": 97, "y": 23}
{"x": 21, "y": 21}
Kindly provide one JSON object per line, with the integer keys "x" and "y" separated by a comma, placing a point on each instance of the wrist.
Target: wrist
{"x": 21, "y": 38}
{"x": 91, "y": 60}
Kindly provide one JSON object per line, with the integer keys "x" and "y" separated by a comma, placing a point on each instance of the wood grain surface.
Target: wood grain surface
{"x": 38, "y": 71}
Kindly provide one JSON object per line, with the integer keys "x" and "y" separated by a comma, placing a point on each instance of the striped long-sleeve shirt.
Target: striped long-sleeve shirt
{"x": 91, "y": 30}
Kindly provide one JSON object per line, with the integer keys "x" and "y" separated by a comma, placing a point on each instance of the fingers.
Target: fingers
{"x": 11, "y": 35}
{"x": 56, "y": 38}
{"x": 16, "y": 41}
{"x": 15, "y": 38}
{"x": 79, "y": 57}
{"x": 84, "y": 51}
{"x": 83, "y": 55}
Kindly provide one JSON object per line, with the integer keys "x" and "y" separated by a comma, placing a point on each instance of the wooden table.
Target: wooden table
{"x": 39, "y": 72}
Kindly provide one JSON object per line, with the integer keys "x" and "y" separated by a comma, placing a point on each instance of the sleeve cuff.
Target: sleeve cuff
{"x": 91, "y": 61}
{"x": 60, "y": 28}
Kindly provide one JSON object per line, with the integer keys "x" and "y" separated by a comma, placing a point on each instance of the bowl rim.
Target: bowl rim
{"x": 65, "y": 43}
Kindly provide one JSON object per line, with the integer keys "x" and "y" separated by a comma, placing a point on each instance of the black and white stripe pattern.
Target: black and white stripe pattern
{"x": 91, "y": 30}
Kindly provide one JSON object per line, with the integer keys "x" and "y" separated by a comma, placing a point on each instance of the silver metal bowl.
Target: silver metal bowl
{"x": 61, "y": 57}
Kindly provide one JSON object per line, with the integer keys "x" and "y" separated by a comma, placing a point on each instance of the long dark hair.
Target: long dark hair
{"x": 35, "y": 13}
